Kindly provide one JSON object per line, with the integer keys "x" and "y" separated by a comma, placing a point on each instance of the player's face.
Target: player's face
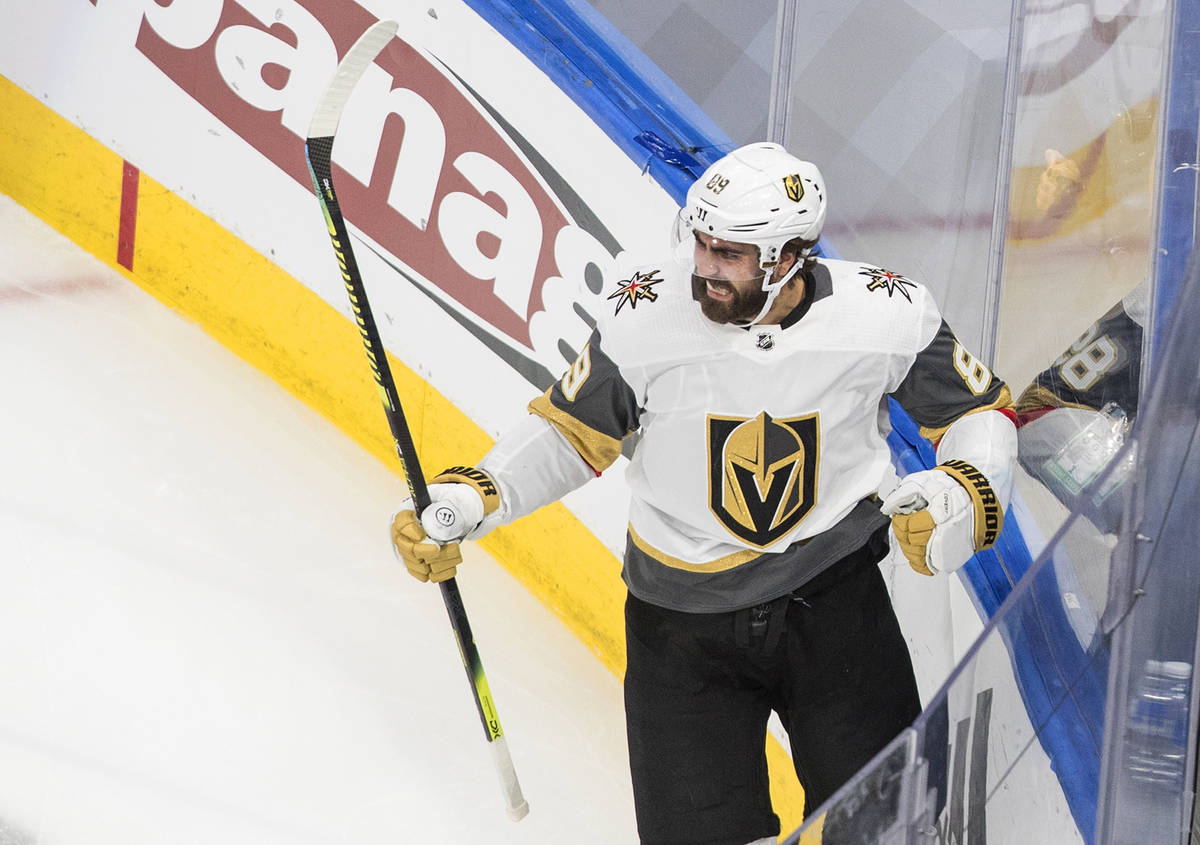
{"x": 727, "y": 281}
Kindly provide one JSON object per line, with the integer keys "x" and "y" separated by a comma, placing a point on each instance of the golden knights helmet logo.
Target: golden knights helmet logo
{"x": 762, "y": 474}
{"x": 793, "y": 185}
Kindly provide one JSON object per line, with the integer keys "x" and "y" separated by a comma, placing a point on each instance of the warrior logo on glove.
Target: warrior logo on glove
{"x": 762, "y": 474}
{"x": 444, "y": 515}
{"x": 988, "y": 516}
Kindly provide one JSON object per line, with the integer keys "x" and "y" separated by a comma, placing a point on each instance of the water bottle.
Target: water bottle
{"x": 1085, "y": 455}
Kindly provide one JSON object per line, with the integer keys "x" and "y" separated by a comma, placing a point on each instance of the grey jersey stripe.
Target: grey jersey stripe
{"x": 765, "y": 577}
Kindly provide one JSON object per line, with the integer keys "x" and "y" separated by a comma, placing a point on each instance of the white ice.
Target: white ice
{"x": 204, "y": 637}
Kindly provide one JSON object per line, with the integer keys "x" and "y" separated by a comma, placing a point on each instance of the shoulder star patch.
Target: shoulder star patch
{"x": 887, "y": 280}
{"x": 639, "y": 286}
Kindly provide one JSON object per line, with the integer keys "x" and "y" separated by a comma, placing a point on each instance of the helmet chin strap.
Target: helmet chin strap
{"x": 773, "y": 289}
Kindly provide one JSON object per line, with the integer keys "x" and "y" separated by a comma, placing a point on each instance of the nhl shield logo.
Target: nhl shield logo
{"x": 794, "y": 187}
{"x": 762, "y": 474}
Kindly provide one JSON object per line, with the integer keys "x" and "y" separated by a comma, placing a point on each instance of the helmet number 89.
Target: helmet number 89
{"x": 717, "y": 183}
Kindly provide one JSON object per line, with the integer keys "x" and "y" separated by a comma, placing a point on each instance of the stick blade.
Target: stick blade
{"x": 349, "y": 70}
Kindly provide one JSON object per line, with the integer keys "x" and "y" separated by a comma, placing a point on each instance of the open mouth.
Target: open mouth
{"x": 721, "y": 294}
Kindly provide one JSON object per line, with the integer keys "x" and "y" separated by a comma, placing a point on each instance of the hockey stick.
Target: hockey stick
{"x": 318, "y": 150}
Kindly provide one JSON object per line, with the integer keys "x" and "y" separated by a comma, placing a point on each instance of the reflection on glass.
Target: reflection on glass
{"x": 1079, "y": 214}
{"x": 1073, "y": 294}
{"x": 1012, "y": 748}
{"x": 1007, "y": 751}
{"x": 1076, "y": 412}
{"x": 1158, "y": 722}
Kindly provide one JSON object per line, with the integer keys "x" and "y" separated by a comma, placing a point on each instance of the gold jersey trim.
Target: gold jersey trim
{"x": 599, "y": 450}
{"x": 1004, "y": 400}
{"x": 1037, "y": 397}
{"x": 721, "y": 564}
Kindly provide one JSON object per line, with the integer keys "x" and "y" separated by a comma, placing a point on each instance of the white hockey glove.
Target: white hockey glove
{"x": 460, "y": 498}
{"x": 941, "y": 517}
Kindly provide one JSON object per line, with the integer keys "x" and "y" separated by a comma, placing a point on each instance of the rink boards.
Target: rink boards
{"x": 168, "y": 142}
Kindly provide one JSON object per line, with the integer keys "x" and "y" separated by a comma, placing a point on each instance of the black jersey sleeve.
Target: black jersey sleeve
{"x": 946, "y": 382}
{"x": 1103, "y": 365}
{"x": 592, "y": 405}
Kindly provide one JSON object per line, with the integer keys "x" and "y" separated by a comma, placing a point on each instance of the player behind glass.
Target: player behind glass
{"x": 1074, "y": 416}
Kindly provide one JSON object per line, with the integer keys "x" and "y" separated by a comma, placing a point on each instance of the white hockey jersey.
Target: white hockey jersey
{"x": 761, "y": 450}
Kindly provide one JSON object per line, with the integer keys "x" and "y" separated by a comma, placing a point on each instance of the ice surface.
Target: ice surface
{"x": 204, "y": 636}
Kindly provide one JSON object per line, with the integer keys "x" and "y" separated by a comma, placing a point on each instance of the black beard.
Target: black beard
{"x": 742, "y": 308}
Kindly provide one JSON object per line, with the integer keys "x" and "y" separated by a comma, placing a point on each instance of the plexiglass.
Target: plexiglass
{"x": 900, "y": 102}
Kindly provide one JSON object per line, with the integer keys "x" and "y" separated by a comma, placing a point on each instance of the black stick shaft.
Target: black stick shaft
{"x": 318, "y": 150}
{"x": 319, "y": 165}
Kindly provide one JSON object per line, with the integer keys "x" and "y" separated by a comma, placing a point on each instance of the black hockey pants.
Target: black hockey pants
{"x": 829, "y": 658}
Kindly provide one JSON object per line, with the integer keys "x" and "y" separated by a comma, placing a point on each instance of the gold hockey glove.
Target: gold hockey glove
{"x": 943, "y": 516}
{"x": 426, "y": 560}
{"x": 460, "y": 498}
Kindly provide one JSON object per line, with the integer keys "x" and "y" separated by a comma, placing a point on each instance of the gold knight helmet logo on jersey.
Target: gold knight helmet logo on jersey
{"x": 762, "y": 474}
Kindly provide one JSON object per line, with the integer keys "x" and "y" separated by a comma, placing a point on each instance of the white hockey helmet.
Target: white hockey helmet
{"x": 759, "y": 194}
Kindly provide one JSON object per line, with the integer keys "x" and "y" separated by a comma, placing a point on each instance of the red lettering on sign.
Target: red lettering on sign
{"x": 437, "y": 186}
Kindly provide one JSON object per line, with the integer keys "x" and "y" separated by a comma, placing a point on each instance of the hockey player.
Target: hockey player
{"x": 1102, "y": 367}
{"x": 757, "y": 375}
{"x": 1074, "y": 416}
{"x": 1104, "y": 364}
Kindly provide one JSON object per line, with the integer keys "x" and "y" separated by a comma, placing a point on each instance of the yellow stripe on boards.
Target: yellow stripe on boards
{"x": 59, "y": 173}
{"x": 269, "y": 319}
